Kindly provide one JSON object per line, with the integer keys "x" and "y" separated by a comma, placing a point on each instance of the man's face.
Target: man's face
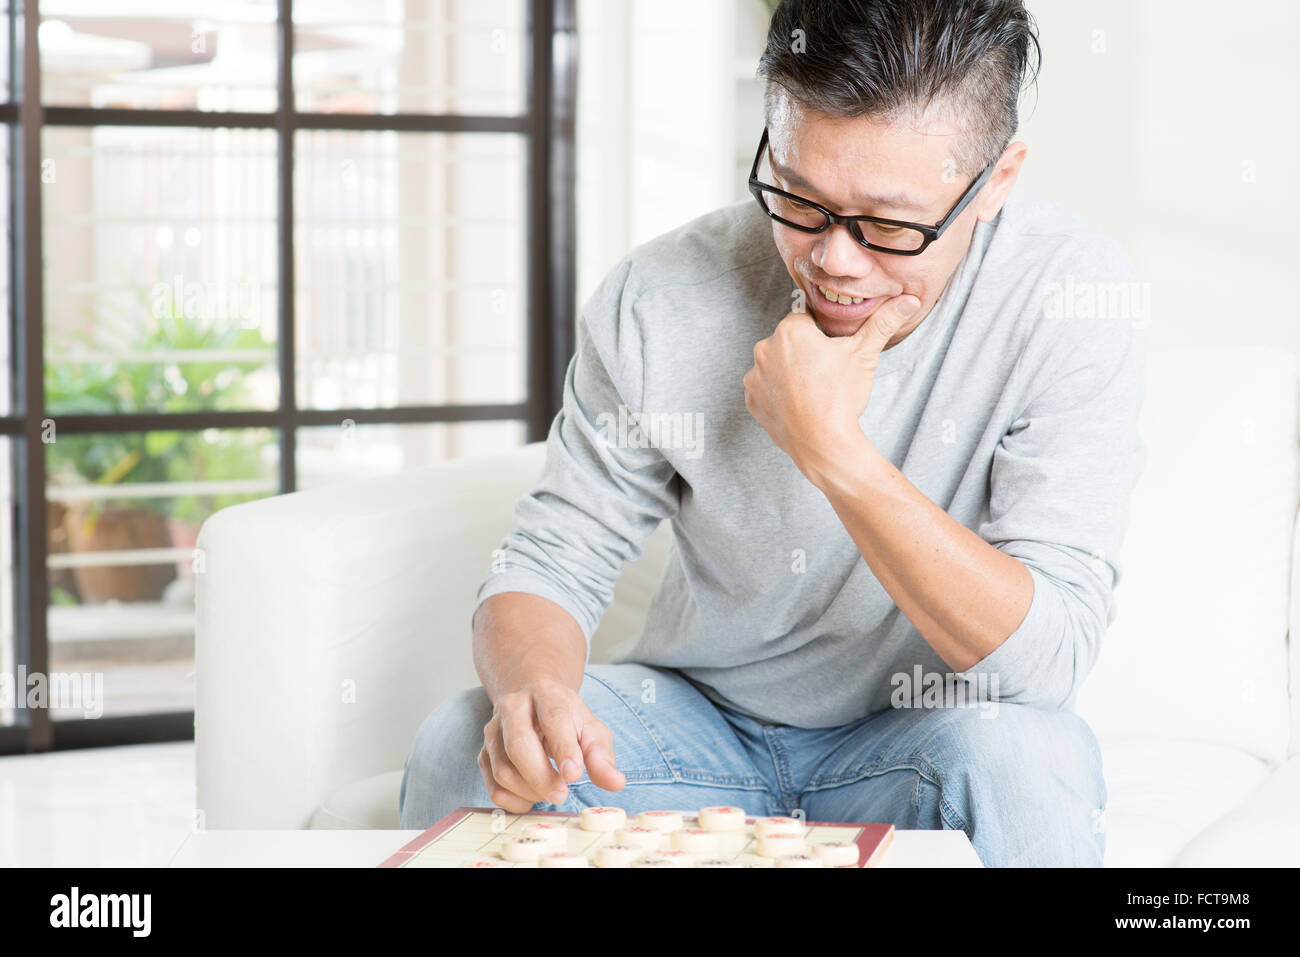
{"x": 865, "y": 168}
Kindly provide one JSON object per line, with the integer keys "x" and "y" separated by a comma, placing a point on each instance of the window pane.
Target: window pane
{"x": 409, "y": 56}
{"x": 7, "y": 360}
{"x": 340, "y": 453}
{"x": 8, "y": 638}
{"x": 160, "y": 275}
{"x": 123, "y": 518}
{"x": 159, "y": 54}
{"x": 409, "y": 268}
{"x": 4, "y": 53}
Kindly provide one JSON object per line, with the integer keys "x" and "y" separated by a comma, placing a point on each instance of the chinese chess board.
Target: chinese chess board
{"x": 488, "y": 837}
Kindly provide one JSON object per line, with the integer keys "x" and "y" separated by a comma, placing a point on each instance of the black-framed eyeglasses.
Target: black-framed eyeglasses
{"x": 883, "y": 235}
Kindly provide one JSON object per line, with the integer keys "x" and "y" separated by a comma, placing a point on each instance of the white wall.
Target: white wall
{"x": 603, "y": 140}
{"x": 666, "y": 99}
{"x": 1171, "y": 123}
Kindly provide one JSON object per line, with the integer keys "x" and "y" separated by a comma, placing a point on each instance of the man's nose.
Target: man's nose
{"x": 837, "y": 253}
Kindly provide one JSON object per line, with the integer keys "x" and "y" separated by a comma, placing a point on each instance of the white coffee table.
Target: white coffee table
{"x": 369, "y": 848}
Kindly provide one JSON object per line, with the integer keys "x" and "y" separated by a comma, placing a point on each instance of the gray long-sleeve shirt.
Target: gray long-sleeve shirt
{"x": 1013, "y": 406}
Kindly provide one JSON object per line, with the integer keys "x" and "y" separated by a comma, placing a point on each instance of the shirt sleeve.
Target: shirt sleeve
{"x": 1062, "y": 479}
{"x": 600, "y": 493}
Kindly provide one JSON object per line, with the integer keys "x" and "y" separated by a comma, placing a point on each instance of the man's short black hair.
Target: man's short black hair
{"x": 889, "y": 59}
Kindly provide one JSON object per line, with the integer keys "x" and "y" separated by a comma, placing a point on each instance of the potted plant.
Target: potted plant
{"x": 106, "y": 387}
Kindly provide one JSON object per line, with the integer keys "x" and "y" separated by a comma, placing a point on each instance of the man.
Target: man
{"x": 895, "y": 534}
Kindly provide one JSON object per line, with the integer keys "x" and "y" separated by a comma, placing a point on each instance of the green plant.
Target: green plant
{"x": 61, "y": 596}
{"x": 105, "y": 387}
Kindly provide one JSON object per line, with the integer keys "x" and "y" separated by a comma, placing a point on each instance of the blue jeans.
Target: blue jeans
{"x": 1025, "y": 784}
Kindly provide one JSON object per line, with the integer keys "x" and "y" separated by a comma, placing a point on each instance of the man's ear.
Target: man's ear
{"x": 995, "y": 191}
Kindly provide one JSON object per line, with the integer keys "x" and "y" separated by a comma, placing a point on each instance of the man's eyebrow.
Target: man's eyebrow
{"x": 892, "y": 201}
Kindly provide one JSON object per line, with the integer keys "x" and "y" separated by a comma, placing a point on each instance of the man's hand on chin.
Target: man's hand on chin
{"x": 809, "y": 390}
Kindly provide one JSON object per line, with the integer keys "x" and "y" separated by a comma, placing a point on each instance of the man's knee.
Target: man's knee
{"x": 441, "y": 770}
{"x": 456, "y": 724}
{"x": 1014, "y": 735}
{"x": 1028, "y": 778}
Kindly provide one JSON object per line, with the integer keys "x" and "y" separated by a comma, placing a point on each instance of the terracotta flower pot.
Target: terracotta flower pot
{"x": 56, "y": 542}
{"x": 110, "y": 530}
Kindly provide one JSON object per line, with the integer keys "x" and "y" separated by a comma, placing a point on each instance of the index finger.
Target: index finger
{"x": 560, "y": 735}
{"x": 524, "y": 748}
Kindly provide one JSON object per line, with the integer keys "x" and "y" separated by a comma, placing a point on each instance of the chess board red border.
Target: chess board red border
{"x": 872, "y": 842}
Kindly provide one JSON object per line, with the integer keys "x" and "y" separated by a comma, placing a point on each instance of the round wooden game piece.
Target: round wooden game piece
{"x": 486, "y": 862}
{"x": 524, "y": 849}
{"x": 670, "y": 858}
{"x": 640, "y": 836}
{"x": 662, "y": 821}
{"x": 731, "y": 843}
{"x": 799, "y": 860}
{"x": 695, "y": 840}
{"x": 602, "y": 818}
{"x": 617, "y": 855}
{"x": 722, "y": 818}
{"x": 718, "y": 862}
{"x": 561, "y": 859}
{"x": 778, "y": 845}
{"x": 556, "y": 835}
{"x": 836, "y": 853}
{"x": 678, "y": 858}
{"x": 777, "y": 825}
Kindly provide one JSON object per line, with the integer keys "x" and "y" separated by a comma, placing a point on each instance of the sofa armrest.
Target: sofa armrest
{"x": 1262, "y": 831}
{"x": 1293, "y": 642}
{"x": 330, "y": 622}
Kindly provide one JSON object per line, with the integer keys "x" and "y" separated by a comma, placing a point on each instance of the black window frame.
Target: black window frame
{"x": 547, "y": 126}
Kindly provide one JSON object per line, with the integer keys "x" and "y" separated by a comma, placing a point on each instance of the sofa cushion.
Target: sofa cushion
{"x": 370, "y": 803}
{"x": 1162, "y": 793}
{"x": 1262, "y": 831}
{"x": 1199, "y": 646}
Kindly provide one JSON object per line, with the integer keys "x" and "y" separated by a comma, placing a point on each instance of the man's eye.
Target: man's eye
{"x": 888, "y": 230}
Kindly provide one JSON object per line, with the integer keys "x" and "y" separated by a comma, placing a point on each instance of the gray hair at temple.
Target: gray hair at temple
{"x": 892, "y": 59}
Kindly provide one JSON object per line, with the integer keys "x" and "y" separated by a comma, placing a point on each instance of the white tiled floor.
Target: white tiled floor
{"x": 98, "y": 807}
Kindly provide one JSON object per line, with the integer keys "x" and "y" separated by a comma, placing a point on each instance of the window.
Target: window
{"x": 284, "y": 244}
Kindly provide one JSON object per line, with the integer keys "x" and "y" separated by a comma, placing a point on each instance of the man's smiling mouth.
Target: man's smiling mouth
{"x": 842, "y": 298}
{"x": 841, "y": 308}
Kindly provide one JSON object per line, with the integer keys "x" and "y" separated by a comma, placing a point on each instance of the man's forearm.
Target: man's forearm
{"x": 521, "y": 638}
{"x": 963, "y": 595}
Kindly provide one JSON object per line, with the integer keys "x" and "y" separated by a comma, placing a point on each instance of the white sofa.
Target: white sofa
{"x": 331, "y": 621}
